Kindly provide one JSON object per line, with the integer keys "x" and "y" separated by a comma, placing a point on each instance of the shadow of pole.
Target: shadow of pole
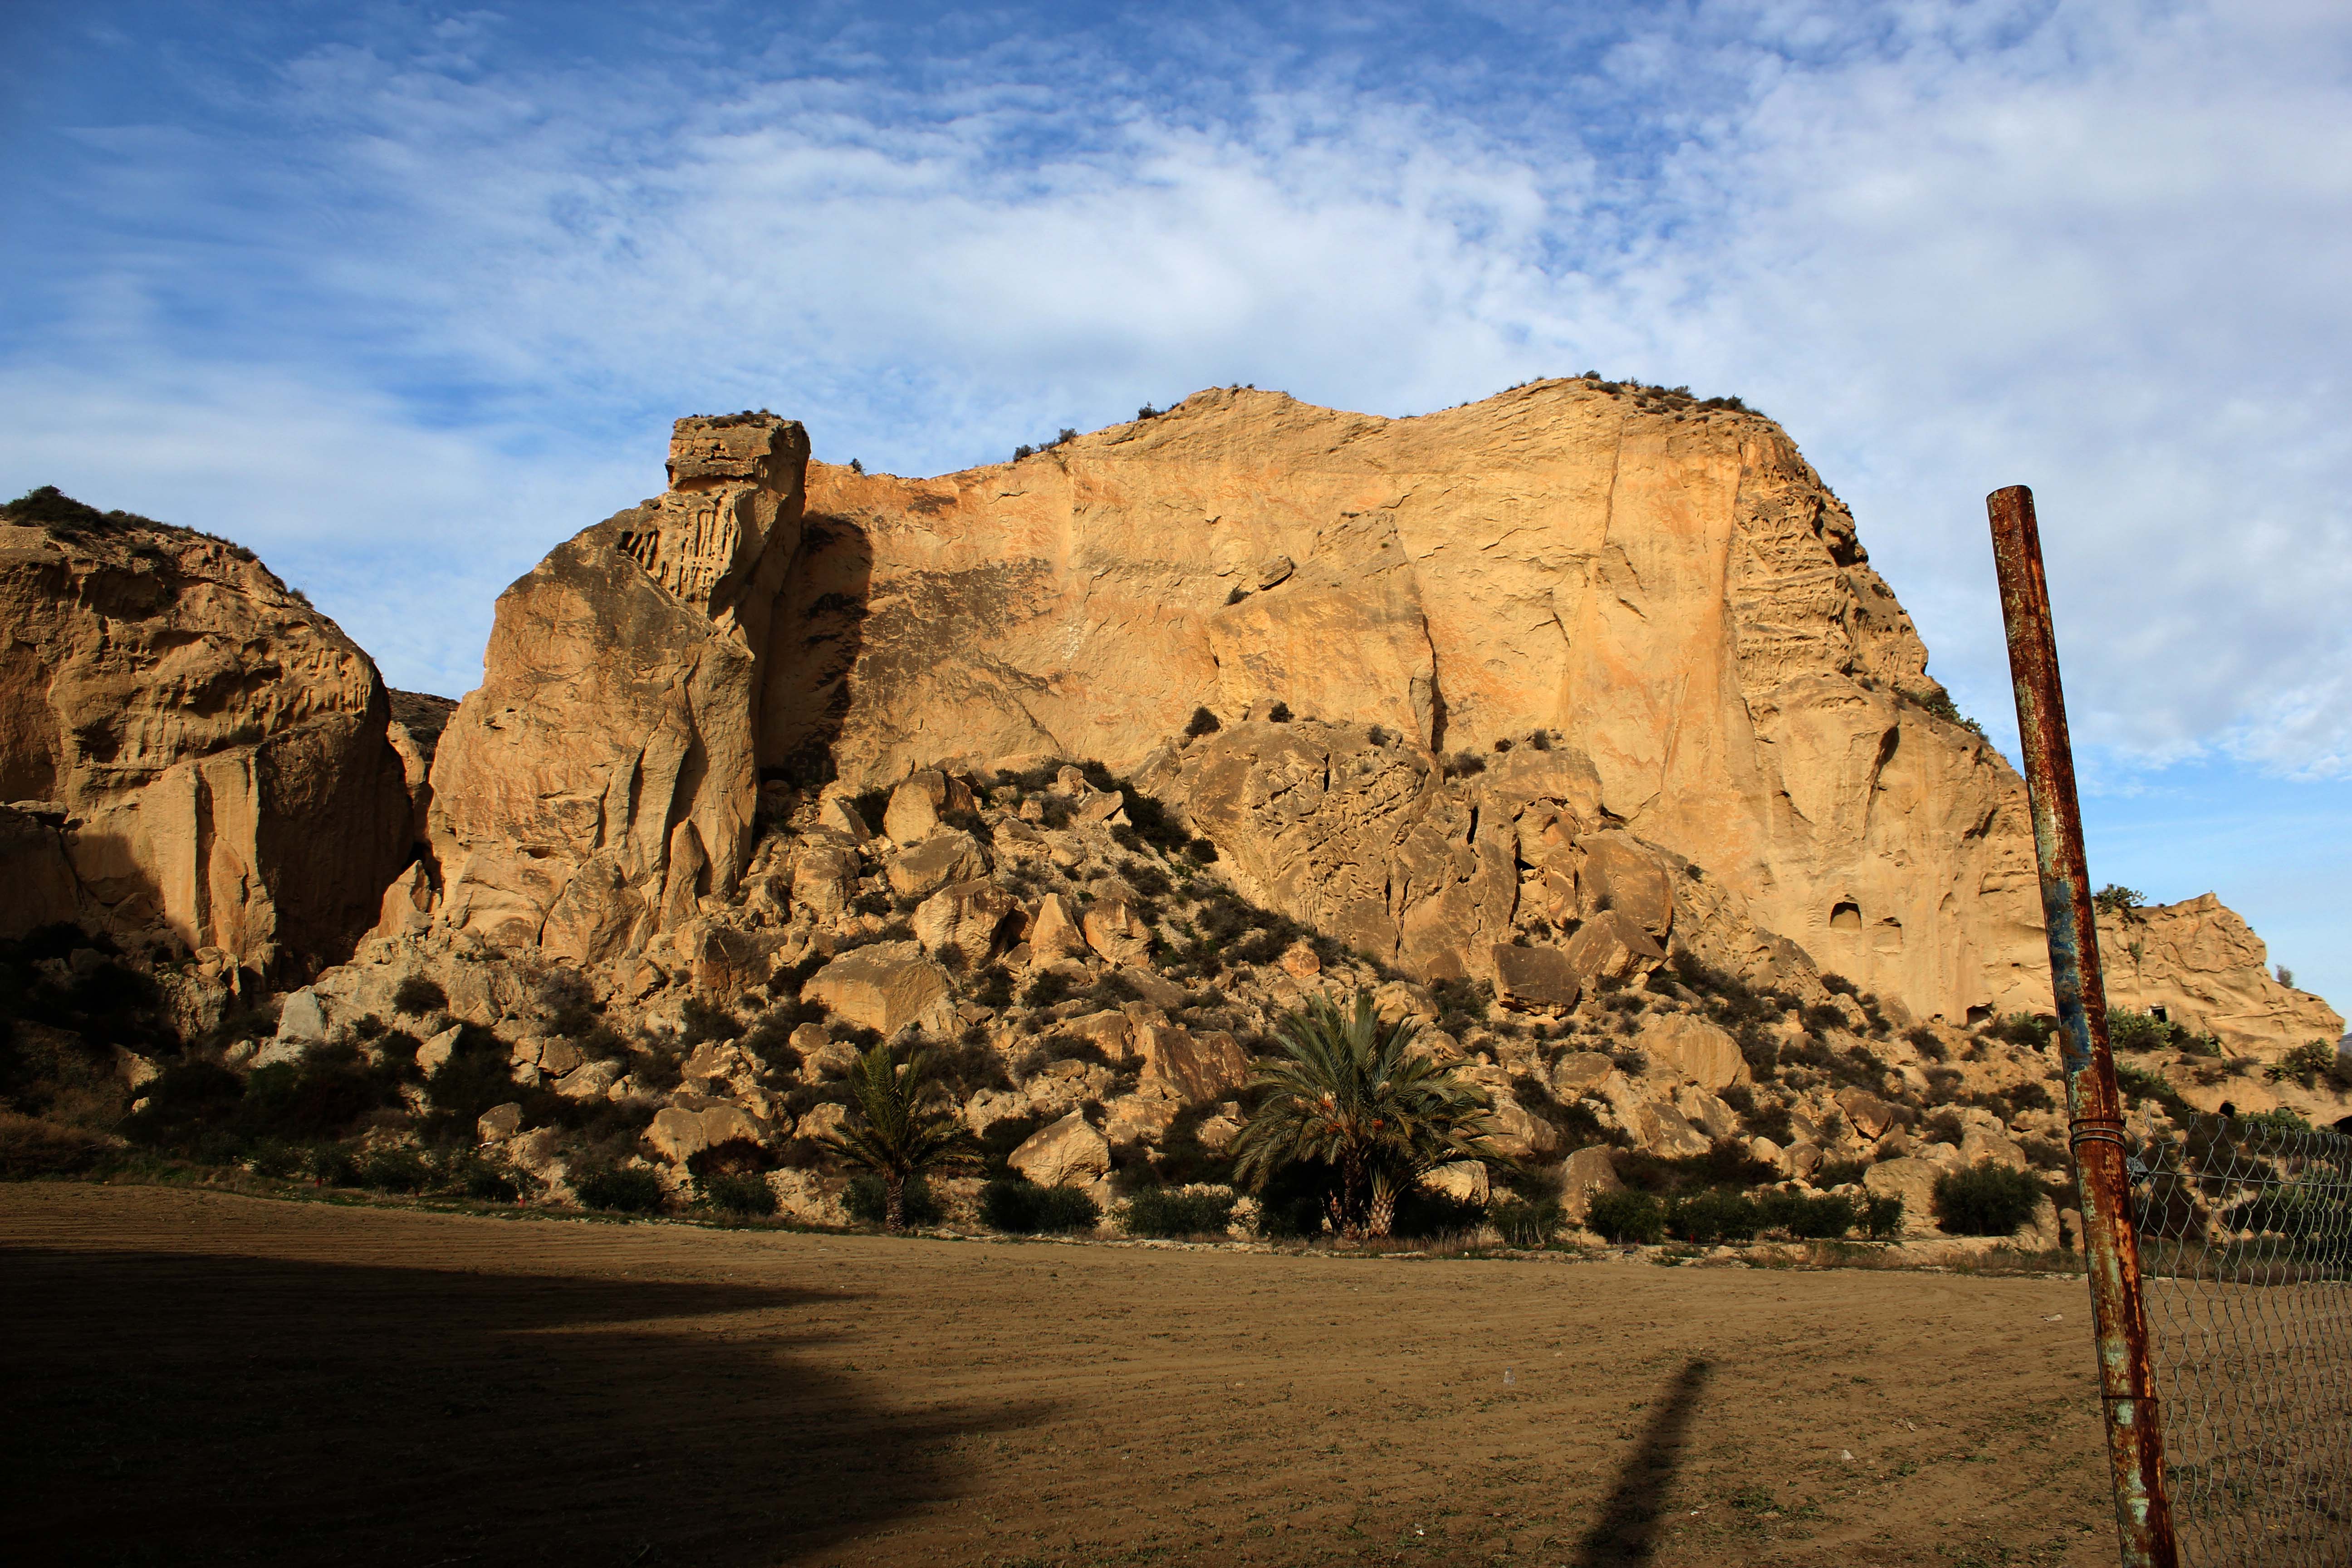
{"x": 1627, "y": 1529}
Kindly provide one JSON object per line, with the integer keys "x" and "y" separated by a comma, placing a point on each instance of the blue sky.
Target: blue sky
{"x": 401, "y": 294}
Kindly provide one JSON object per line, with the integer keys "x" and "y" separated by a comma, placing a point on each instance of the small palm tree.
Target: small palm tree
{"x": 900, "y": 1125}
{"x": 1357, "y": 1097}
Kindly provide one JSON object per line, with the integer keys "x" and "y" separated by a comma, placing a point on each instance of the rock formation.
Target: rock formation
{"x": 2204, "y": 968}
{"x": 1667, "y": 593}
{"x": 603, "y": 778}
{"x": 201, "y": 756}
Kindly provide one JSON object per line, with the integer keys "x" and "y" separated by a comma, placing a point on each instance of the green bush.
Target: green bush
{"x": 1716, "y": 1215}
{"x": 1525, "y": 1224}
{"x": 866, "y": 1200}
{"x": 738, "y": 1191}
{"x": 1807, "y": 1218}
{"x": 1882, "y": 1216}
{"x": 620, "y": 1190}
{"x": 394, "y": 1171}
{"x": 416, "y": 996}
{"x": 1626, "y": 1216}
{"x": 1421, "y": 1214}
{"x": 1023, "y": 1208}
{"x": 1162, "y": 1213}
{"x": 1986, "y": 1199}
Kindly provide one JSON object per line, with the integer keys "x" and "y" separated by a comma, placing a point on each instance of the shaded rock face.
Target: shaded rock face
{"x": 2207, "y": 969}
{"x": 208, "y": 751}
{"x": 1675, "y": 597}
{"x": 603, "y": 777}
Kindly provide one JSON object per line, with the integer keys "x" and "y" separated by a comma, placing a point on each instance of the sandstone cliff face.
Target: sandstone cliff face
{"x": 208, "y": 752}
{"x": 1669, "y": 593}
{"x": 602, "y": 779}
{"x": 2207, "y": 969}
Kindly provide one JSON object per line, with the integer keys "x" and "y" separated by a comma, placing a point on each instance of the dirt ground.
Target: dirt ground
{"x": 200, "y": 1378}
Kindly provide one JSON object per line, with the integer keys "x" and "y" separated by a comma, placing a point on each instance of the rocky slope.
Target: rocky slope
{"x": 1664, "y": 590}
{"x": 1573, "y": 723}
{"x": 198, "y": 756}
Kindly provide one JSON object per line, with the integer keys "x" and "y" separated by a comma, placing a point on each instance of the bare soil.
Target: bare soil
{"x": 197, "y": 1377}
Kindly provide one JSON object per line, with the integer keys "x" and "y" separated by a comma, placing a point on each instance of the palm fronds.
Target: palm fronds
{"x": 900, "y": 1124}
{"x": 1357, "y": 1099}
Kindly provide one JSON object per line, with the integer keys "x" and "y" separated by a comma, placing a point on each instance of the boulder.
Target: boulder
{"x": 914, "y": 807}
{"x": 1587, "y": 1171}
{"x": 1981, "y": 1143}
{"x": 1913, "y": 1181}
{"x": 1706, "y": 1112}
{"x": 589, "y": 1080}
{"x": 1577, "y": 1072}
{"x": 1116, "y": 931}
{"x": 949, "y": 856}
{"x": 678, "y": 1134}
{"x": 500, "y": 1122}
{"x": 1611, "y": 946}
{"x": 825, "y": 880}
{"x": 1218, "y": 1132}
{"x": 1191, "y": 1068}
{"x": 1107, "y": 1031}
{"x": 1069, "y": 1153}
{"x": 838, "y": 814}
{"x": 819, "y": 1122}
{"x": 1870, "y": 1116}
{"x": 300, "y": 1020}
{"x": 1518, "y": 1134}
{"x": 1655, "y": 1126}
{"x": 435, "y": 1052}
{"x": 1054, "y": 933}
{"x": 1155, "y": 989}
{"x": 885, "y": 987}
{"x": 1696, "y": 1050}
{"x": 1534, "y": 979}
{"x": 1619, "y": 872}
{"x": 1139, "y": 1117}
{"x": 970, "y": 916}
{"x": 1465, "y": 1181}
{"x": 1300, "y": 961}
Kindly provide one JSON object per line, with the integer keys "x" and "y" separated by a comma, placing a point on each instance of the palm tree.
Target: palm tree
{"x": 1380, "y": 1114}
{"x": 900, "y": 1125}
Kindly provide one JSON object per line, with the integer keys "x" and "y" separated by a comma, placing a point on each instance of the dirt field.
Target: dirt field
{"x": 198, "y": 1378}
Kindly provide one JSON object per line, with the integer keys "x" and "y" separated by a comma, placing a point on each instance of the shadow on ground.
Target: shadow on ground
{"x": 195, "y": 1410}
{"x": 1627, "y": 1529}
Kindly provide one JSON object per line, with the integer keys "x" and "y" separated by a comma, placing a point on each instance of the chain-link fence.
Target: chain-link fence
{"x": 2246, "y": 1237}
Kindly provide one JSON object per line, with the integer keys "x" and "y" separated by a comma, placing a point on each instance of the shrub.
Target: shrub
{"x": 1023, "y": 1208}
{"x": 1806, "y": 1218}
{"x": 417, "y": 997}
{"x": 1986, "y": 1199}
{"x": 1882, "y": 1216}
{"x": 2114, "y": 898}
{"x": 1165, "y": 1212}
{"x": 394, "y": 1171}
{"x": 1715, "y": 1214}
{"x": 2029, "y": 1031}
{"x": 620, "y": 1190}
{"x": 1203, "y": 722}
{"x": 1626, "y": 1216}
{"x": 1525, "y": 1224}
{"x": 2130, "y": 1030}
{"x": 868, "y": 1200}
{"x": 1279, "y": 713}
{"x": 738, "y": 1191}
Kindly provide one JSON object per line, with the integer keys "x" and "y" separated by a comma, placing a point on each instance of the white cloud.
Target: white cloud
{"x": 2094, "y": 247}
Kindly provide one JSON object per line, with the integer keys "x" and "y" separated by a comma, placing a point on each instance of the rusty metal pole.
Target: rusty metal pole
{"x": 2110, "y": 1242}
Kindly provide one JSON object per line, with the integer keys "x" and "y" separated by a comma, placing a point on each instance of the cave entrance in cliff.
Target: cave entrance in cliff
{"x": 1846, "y": 916}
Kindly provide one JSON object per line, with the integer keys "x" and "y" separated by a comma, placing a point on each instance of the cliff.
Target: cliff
{"x": 198, "y": 755}
{"x": 1665, "y": 591}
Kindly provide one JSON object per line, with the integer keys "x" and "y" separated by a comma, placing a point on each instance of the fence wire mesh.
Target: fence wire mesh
{"x": 2246, "y": 1240}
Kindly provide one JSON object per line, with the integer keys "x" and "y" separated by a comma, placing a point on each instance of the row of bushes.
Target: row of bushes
{"x": 1721, "y": 1215}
